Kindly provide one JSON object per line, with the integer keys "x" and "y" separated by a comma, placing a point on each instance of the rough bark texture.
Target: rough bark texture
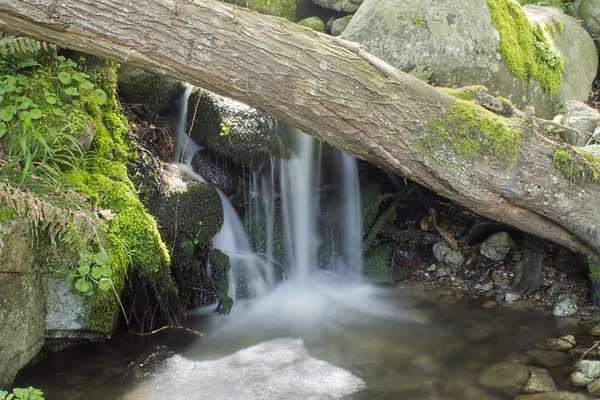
{"x": 307, "y": 80}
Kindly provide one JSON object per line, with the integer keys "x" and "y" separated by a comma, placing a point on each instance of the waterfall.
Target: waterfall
{"x": 289, "y": 187}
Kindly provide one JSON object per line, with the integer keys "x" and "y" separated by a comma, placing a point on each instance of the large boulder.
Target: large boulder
{"x": 340, "y": 5}
{"x": 589, "y": 12}
{"x": 493, "y": 43}
{"x": 580, "y": 117}
{"x": 293, "y": 10}
{"x": 230, "y": 128}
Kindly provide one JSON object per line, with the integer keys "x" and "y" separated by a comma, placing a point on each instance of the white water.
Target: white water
{"x": 185, "y": 148}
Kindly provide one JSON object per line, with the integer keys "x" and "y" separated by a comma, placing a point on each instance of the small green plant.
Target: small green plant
{"x": 41, "y": 113}
{"x": 92, "y": 269}
{"x": 226, "y": 130}
{"x": 419, "y": 21}
{"x": 29, "y": 393}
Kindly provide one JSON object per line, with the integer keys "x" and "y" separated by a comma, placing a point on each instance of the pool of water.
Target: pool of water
{"x": 321, "y": 341}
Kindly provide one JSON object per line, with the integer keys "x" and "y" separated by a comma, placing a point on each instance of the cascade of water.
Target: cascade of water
{"x": 185, "y": 148}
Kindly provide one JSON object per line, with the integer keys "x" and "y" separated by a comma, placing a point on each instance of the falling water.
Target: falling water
{"x": 185, "y": 148}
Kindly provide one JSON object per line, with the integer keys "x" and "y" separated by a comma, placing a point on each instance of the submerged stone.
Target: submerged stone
{"x": 507, "y": 378}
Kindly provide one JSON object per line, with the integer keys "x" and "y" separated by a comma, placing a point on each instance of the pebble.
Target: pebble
{"x": 594, "y": 388}
{"x": 539, "y": 381}
{"x": 563, "y": 343}
{"x": 595, "y": 331}
{"x": 589, "y": 368}
{"x": 564, "y": 308}
{"x": 510, "y": 297}
{"x": 547, "y": 359}
{"x": 580, "y": 380}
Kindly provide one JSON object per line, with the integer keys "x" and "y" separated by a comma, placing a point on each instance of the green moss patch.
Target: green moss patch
{"x": 314, "y": 23}
{"x": 7, "y": 213}
{"x": 221, "y": 264}
{"x": 577, "y": 165}
{"x": 473, "y": 133}
{"x": 527, "y": 48}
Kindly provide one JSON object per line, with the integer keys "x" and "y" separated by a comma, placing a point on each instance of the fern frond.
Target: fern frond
{"x": 17, "y": 46}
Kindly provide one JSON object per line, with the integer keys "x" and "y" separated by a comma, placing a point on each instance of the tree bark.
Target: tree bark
{"x": 308, "y": 80}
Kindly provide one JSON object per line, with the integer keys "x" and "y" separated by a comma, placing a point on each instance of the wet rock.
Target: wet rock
{"x": 497, "y": 246}
{"x": 216, "y": 170}
{"x": 564, "y": 308}
{"x": 314, "y": 23}
{"x": 340, "y": 24}
{"x": 589, "y": 368}
{"x": 511, "y": 297}
{"x": 555, "y": 289}
{"x": 501, "y": 279}
{"x": 426, "y": 365}
{"x": 517, "y": 358}
{"x": 581, "y": 117}
{"x": 539, "y": 381}
{"x": 547, "y": 359}
{"x": 486, "y": 287}
{"x": 489, "y": 305}
{"x": 507, "y": 378}
{"x": 552, "y": 396}
{"x": 444, "y": 254}
{"x": 232, "y": 129}
{"x": 594, "y": 387}
{"x": 562, "y": 343}
{"x": 580, "y": 380}
{"x": 595, "y": 331}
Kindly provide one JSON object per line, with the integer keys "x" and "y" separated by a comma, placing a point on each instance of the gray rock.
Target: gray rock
{"x": 589, "y": 12}
{"x": 340, "y": 24}
{"x": 594, "y": 387}
{"x": 547, "y": 359}
{"x": 589, "y": 368}
{"x": 562, "y": 343}
{"x": 340, "y": 5}
{"x": 552, "y": 396}
{"x": 497, "y": 246}
{"x": 486, "y": 287}
{"x": 232, "y": 129}
{"x": 579, "y": 116}
{"x": 454, "y": 44}
{"x": 595, "y": 331}
{"x": 564, "y": 308}
{"x": 510, "y": 297}
{"x": 580, "y": 380}
{"x": 444, "y": 254}
{"x": 539, "y": 381}
{"x": 507, "y": 378}
{"x": 500, "y": 279}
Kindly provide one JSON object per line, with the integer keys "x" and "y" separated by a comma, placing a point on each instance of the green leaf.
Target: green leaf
{"x": 51, "y": 100}
{"x": 79, "y": 76}
{"x": 106, "y": 270}
{"x": 84, "y": 262}
{"x": 36, "y": 113}
{"x": 64, "y": 77}
{"x": 83, "y": 270}
{"x": 70, "y": 276}
{"x": 59, "y": 112}
{"x": 7, "y": 113}
{"x": 105, "y": 284}
{"x": 100, "y": 96}
{"x": 71, "y": 91}
{"x": 82, "y": 285}
{"x": 96, "y": 272}
{"x": 100, "y": 258}
{"x": 85, "y": 85}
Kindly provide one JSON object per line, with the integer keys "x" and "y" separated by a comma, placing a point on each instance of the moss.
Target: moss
{"x": 220, "y": 263}
{"x": 377, "y": 263}
{"x": 287, "y": 9}
{"x": 419, "y": 21}
{"x": 7, "y": 213}
{"x": 314, "y": 23}
{"x": 527, "y": 48}
{"x": 576, "y": 164}
{"x": 462, "y": 93}
{"x": 594, "y": 275}
{"x": 473, "y": 132}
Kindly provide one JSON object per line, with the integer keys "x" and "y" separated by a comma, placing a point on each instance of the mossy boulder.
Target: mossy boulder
{"x": 292, "y": 10}
{"x": 232, "y": 129}
{"x": 154, "y": 92}
{"x": 314, "y": 23}
{"x": 536, "y": 56}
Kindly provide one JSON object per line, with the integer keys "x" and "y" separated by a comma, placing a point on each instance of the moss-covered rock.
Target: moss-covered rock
{"x": 377, "y": 263}
{"x": 578, "y": 165}
{"x": 232, "y": 129}
{"x": 292, "y": 10}
{"x": 155, "y": 92}
{"x": 314, "y": 23}
{"x": 535, "y": 56}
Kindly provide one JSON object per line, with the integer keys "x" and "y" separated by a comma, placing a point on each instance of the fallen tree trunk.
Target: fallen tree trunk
{"x": 343, "y": 96}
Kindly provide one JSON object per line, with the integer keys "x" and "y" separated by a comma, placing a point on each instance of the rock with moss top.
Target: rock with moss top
{"x": 155, "y": 92}
{"x": 292, "y": 10}
{"x": 339, "y": 25}
{"x": 314, "y": 23}
{"x": 581, "y": 117}
{"x": 533, "y": 55}
{"x": 232, "y": 129}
